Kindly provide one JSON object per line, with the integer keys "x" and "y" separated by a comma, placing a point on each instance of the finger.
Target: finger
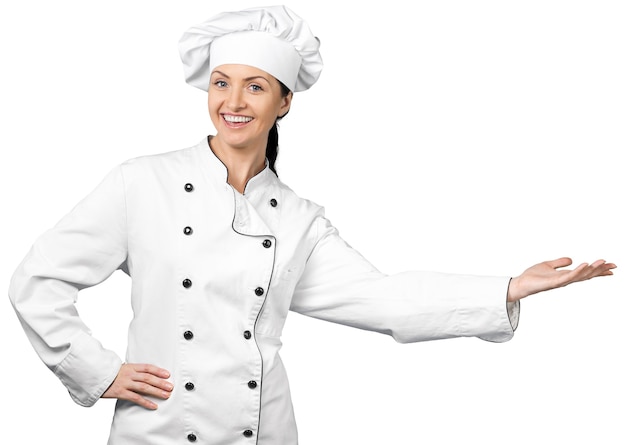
{"x": 560, "y": 262}
{"x": 580, "y": 270}
{"x": 580, "y": 273}
{"x": 584, "y": 267}
{"x": 604, "y": 270}
{"x": 587, "y": 271}
{"x": 151, "y": 369}
{"x": 148, "y": 389}
{"x": 138, "y": 399}
{"x": 154, "y": 381}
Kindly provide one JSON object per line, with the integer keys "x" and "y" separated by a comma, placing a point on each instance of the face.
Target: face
{"x": 244, "y": 103}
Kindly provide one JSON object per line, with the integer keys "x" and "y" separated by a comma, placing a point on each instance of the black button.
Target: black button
{"x": 273, "y": 202}
{"x": 267, "y": 244}
{"x": 259, "y": 291}
{"x": 189, "y": 386}
{"x": 252, "y": 384}
{"x": 247, "y": 335}
{"x": 189, "y": 187}
{"x": 191, "y": 437}
{"x": 187, "y": 230}
{"x": 188, "y": 335}
{"x": 186, "y": 283}
{"x": 248, "y": 433}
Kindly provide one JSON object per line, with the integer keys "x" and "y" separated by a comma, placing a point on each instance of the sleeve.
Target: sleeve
{"x": 341, "y": 286}
{"x": 82, "y": 250}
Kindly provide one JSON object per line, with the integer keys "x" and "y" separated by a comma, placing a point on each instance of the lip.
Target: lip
{"x": 236, "y": 120}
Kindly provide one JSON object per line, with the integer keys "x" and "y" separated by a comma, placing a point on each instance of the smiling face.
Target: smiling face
{"x": 244, "y": 103}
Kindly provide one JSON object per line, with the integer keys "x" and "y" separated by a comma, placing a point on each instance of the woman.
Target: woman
{"x": 219, "y": 250}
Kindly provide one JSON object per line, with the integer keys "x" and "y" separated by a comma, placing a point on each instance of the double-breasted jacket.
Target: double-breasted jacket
{"x": 214, "y": 275}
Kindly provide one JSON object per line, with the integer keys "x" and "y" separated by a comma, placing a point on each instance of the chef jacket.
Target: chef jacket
{"x": 214, "y": 274}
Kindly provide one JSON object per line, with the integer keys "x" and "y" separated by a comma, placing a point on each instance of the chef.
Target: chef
{"x": 219, "y": 250}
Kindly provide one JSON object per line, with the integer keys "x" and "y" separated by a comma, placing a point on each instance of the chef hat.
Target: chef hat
{"x": 273, "y": 39}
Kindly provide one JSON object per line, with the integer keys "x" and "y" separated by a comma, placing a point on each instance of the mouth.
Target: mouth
{"x": 235, "y": 120}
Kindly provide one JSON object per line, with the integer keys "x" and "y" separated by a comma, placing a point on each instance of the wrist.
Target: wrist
{"x": 513, "y": 292}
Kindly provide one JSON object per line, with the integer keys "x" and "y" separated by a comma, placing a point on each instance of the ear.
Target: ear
{"x": 285, "y": 105}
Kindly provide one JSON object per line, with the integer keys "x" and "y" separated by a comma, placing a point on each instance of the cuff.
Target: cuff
{"x": 513, "y": 310}
{"x": 88, "y": 370}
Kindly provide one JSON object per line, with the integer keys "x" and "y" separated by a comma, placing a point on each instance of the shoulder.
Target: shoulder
{"x": 299, "y": 206}
{"x": 164, "y": 160}
{"x": 161, "y": 169}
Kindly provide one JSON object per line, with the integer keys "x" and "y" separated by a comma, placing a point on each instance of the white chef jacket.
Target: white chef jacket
{"x": 214, "y": 274}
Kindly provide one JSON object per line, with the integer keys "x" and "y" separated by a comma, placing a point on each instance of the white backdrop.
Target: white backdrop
{"x": 460, "y": 136}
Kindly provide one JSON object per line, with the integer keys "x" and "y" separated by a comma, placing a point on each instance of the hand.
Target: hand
{"x": 135, "y": 380}
{"x": 545, "y": 276}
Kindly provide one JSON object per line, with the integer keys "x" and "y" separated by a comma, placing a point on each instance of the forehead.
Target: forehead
{"x": 242, "y": 72}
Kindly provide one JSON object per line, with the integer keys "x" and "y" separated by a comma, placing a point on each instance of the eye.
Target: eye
{"x": 256, "y": 88}
{"x": 220, "y": 84}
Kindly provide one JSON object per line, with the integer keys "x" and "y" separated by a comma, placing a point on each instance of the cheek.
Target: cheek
{"x": 213, "y": 107}
{"x": 272, "y": 109}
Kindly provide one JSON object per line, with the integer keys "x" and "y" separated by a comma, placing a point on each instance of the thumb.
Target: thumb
{"x": 560, "y": 262}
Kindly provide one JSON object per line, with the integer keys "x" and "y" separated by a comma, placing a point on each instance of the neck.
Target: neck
{"x": 242, "y": 163}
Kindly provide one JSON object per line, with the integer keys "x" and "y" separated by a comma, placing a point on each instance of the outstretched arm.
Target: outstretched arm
{"x": 549, "y": 275}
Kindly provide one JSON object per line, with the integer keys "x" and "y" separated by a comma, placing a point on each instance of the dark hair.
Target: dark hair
{"x": 271, "y": 151}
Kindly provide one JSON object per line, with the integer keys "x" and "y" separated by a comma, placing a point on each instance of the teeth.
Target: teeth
{"x": 238, "y": 119}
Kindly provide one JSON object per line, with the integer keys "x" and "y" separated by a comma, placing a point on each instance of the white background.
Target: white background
{"x": 460, "y": 136}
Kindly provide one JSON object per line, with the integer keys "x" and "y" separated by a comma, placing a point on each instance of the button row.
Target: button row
{"x": 191, "y": 437}
{"x": 190, "y": 188}
{"x": 190, "y": 386}
{"x": 188, "y": 335}
{"x": 187, "y": 283}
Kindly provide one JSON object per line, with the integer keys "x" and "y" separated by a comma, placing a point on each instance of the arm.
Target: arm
{"x": 339, "y": 285}
{"x": 82, "y": 250}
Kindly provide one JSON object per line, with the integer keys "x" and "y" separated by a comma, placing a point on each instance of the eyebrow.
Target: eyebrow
{"x": 247, "y": 79}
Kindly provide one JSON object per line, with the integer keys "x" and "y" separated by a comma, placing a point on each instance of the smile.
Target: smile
{"x": 237, "y": 119}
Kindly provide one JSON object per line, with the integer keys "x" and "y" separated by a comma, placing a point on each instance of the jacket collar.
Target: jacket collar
{"x": 255, "y": 212}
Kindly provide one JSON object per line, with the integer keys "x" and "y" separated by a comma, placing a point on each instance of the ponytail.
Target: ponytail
{"x": 271, "y": 150}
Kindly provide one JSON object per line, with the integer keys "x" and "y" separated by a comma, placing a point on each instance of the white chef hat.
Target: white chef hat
{"x": 272, "y": 38}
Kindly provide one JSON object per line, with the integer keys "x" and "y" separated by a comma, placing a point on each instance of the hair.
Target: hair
{"x": 271, "y": 151}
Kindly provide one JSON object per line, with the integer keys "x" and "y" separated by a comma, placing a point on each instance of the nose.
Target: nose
{"x": 235, "y": 99}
